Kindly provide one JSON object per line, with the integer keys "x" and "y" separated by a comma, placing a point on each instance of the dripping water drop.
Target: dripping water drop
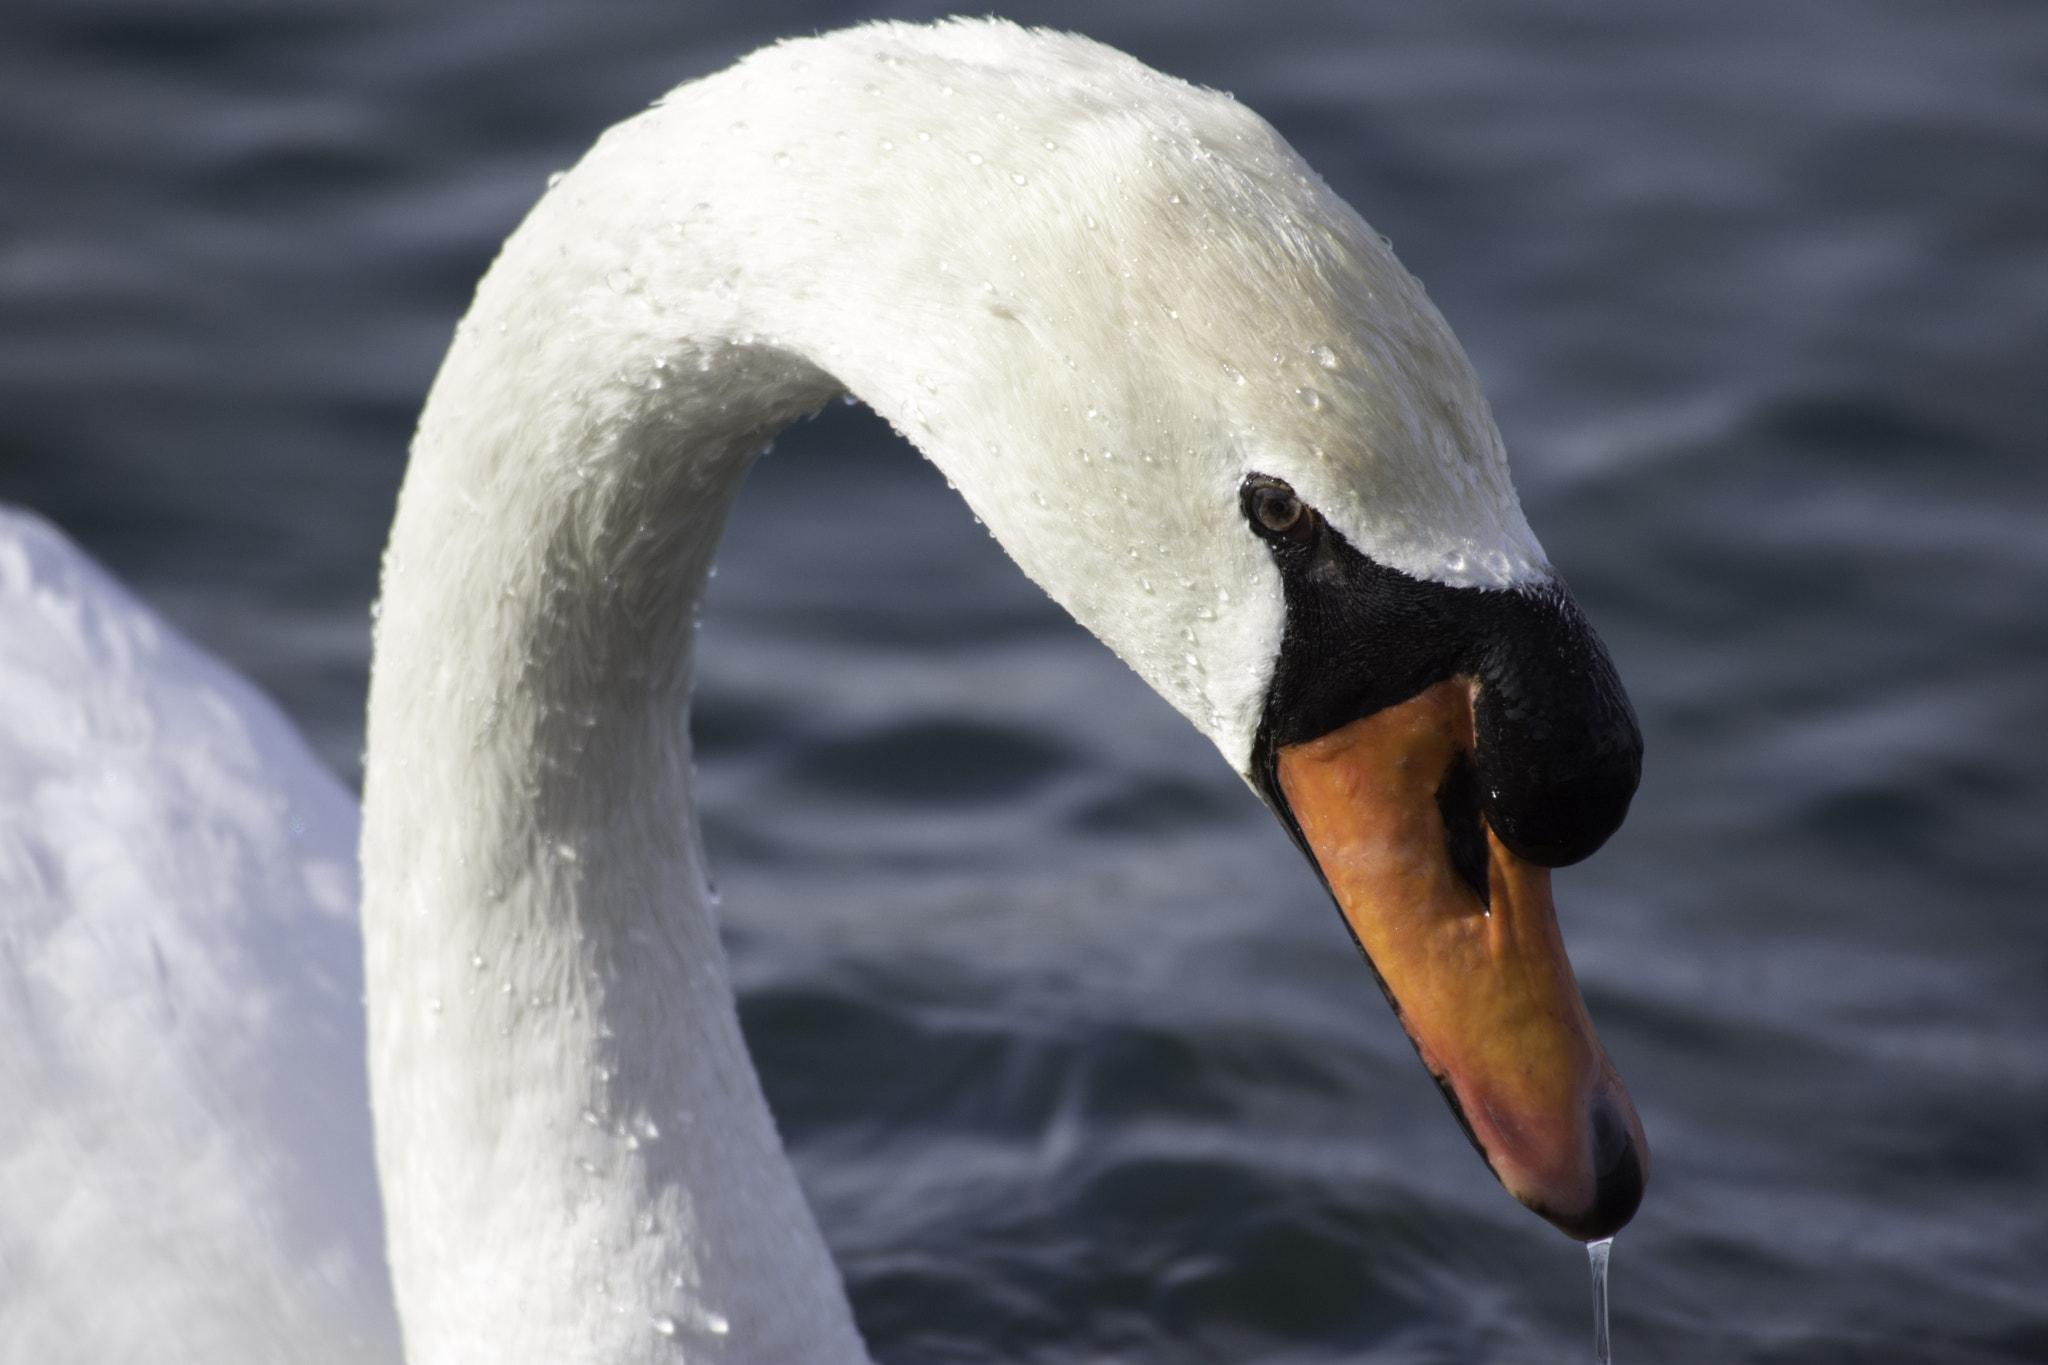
{"x": 1597, "y": 1253}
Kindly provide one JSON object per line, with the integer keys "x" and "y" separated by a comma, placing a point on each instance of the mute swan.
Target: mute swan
{"x": 1194, "y": 397}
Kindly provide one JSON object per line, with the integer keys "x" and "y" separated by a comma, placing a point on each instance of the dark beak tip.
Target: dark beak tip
{"x": 1615, "y": 1201}
{"x": 1622, "y": 1172}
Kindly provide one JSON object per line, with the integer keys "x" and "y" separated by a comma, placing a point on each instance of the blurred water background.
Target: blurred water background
{"x": 1075, "y": 1059}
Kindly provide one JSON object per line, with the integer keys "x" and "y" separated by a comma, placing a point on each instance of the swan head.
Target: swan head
{"x": 1199, "y": 401}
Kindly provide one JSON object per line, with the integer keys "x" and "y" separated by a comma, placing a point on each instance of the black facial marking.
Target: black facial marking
{"x": 1464, "y": 827}
{"x": 1559, "y": 752}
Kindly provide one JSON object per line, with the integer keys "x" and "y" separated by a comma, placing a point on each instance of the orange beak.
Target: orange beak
{"x": 1388, "y": 806}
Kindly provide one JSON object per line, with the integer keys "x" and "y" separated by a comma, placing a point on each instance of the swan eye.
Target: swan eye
{"x": 1276, "y": 513}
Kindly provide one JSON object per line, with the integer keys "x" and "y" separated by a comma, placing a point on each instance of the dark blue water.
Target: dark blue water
{"x": 1077, "y": 1063}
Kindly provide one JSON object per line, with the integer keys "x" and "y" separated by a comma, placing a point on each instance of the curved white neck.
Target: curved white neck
{"x": 577, "y": 1160}
{"x": 1055, "y": 276}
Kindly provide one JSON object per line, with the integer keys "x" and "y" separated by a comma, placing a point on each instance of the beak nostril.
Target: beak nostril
{"x": 1457, "y": 800}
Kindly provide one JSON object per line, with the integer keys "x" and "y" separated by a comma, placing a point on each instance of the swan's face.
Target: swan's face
{"x": 1435, "y": 750}
{"x": 1363, "y": 625}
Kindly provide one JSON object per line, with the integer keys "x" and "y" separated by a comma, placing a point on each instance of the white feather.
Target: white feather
{"x": 185, "y": 1168}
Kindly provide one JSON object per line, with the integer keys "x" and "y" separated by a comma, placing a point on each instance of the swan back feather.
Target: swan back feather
{"x": 185, "y": 1168}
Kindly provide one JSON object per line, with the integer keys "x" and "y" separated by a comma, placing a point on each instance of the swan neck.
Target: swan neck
{"x": 577, "y": 1158}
